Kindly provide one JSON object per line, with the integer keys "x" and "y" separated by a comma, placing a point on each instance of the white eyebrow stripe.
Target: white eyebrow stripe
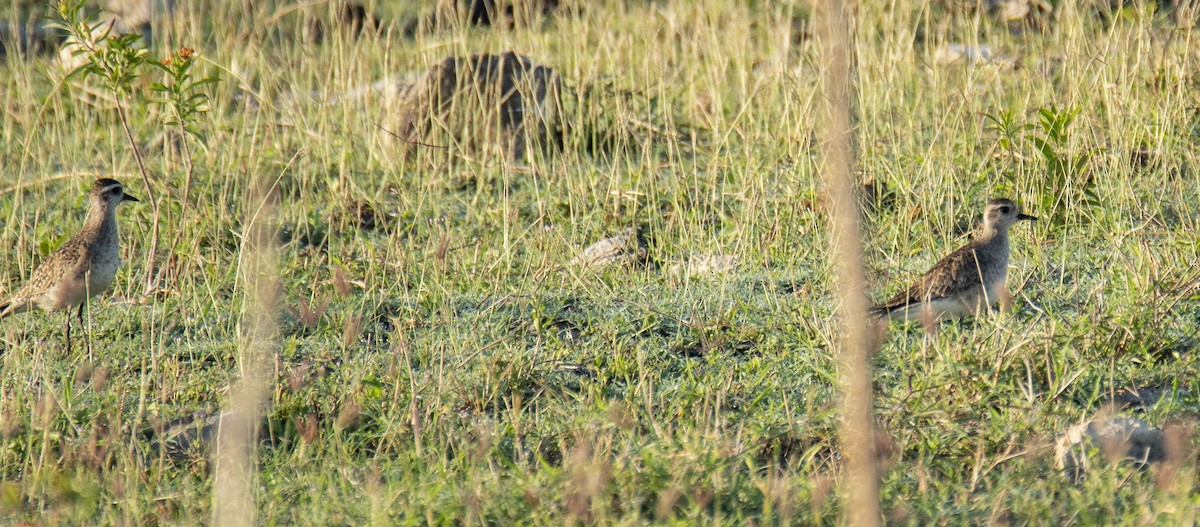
{"x": 110, "y": 187}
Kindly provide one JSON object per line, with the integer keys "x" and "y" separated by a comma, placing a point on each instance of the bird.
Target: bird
{"x": 966, "y": 281}
{"x": 81, "y": 268}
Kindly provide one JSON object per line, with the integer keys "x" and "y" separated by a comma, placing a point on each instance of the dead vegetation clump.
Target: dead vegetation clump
{"x": 505, "y": 101}
{"x": 510, "y": 104}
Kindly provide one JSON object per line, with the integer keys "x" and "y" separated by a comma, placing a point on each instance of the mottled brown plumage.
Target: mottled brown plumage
{"x": 81, "y": 268}
{"x": 967, "y": 281}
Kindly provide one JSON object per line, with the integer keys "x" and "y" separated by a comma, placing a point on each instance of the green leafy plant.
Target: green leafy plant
{"x": 183, "y": 100}
{"x": 1065, "y": 181}
{"x": 115, "y": 58}
{"x": 1011, "y": 129}
{"x": 1069, "y": 181}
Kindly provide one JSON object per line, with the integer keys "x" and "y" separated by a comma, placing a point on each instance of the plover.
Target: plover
{"x": 968, "y": 280}
{"x": 82, "y": 267}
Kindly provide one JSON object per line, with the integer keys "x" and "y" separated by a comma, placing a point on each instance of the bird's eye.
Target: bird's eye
{"x": 1005, "y": 210}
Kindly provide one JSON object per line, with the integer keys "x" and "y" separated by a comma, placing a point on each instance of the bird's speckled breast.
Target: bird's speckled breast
{"x": 995, "y": 270}
{"x": 105, "y": 261}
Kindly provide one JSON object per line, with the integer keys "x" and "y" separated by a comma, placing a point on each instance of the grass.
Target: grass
{"x": 427, "y": 371}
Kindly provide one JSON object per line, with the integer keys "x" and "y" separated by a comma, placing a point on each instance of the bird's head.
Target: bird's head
{"x": 1001, "y": 214}
{"x": 109, "y": 193}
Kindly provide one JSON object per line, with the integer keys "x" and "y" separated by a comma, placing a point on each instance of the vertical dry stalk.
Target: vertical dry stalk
{"x": 235, "y": 455}
{"x": 150, "y": 196}
{"x": 857, "y": 433}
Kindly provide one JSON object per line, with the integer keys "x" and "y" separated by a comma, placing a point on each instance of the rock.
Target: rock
{"x": 503, "y": 100}
{"x": 1145, "y": 157}
{"x": 1132, "y": 397}
{"x": 579, "y": 370}
{"x": 1118, "y": 438}
{"x": 131, "y": 16}
{"x": 627, "y": 247}
{"x": 1011, "y": 10}
{"x": 706, "y": 264}
{"x": 188, "y": 437}
{"x": 1020, "y": 10}
{"x": 960, "y": 54}
{"x": 875, "y": 195}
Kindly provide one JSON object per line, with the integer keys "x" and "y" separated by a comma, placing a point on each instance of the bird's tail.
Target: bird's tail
{"x": 7, "y": 309}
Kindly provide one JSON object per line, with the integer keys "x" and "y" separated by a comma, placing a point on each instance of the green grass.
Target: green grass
{"x": 454, "y": 395}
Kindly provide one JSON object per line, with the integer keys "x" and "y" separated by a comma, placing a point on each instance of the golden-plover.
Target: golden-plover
{"x": 967, "y": 281}
{"x": 82, "y": 267}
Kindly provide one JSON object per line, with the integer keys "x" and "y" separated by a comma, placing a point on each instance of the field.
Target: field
{"x": 442, "y": 358}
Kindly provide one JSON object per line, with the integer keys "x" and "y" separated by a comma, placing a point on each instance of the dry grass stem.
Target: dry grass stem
{"x": 857, "y": 426}
{"x": 234, "y": 474}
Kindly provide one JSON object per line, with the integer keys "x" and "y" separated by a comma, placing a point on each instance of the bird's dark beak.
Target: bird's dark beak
{"x": 127, "y": 197}
{"x": 1023, "y": 216}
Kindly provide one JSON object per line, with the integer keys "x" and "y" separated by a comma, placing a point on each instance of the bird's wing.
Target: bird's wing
{"x": 69, "y": 262}
{"x": 956, "y": 272}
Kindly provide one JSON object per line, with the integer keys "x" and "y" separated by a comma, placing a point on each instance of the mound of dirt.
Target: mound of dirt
{"x": 504, "y": 101}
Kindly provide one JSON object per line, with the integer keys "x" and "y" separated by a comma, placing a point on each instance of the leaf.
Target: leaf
{"x": 82, "y": 71}
{"x": 1045, "y": 148}
{"x": 194, "y": 132}
{"x": 212, "y": 79}
{"x": 160, "y": 66}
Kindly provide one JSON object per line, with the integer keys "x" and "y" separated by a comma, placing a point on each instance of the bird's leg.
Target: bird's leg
{"x": 929, "y": 319}
{"x": 877, "y": 329}
{"x": 68, "y": 333}
{"x": 87, "y": 341}
{"x": 1005, "y": 298}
